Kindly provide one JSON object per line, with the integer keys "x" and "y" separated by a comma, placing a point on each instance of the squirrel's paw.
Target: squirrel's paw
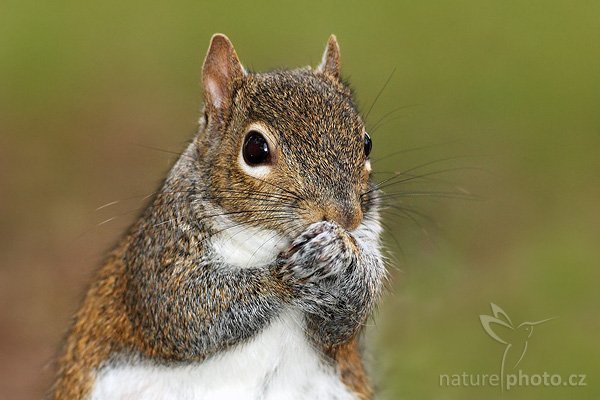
{"x": 323, "y": 250}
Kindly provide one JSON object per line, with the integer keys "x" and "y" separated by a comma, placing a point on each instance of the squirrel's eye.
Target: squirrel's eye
{"x": 368, "y": 144}
{"x": 256, "y": 149}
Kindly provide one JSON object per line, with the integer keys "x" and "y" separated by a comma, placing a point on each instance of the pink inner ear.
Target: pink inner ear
{"x": 214, "y": 91}
{"x": 221, "y": 68}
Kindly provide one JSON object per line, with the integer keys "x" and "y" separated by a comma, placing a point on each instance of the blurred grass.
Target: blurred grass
{"x": 512, "y": 85}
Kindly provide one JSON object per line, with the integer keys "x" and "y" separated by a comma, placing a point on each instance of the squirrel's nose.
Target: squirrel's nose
{"x": 348, "y": 216}
{"x": 344, "y": 212}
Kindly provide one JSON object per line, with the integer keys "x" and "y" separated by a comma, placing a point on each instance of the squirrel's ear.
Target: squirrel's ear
{"x": 221, "y": 69}
{"x": 330, "y": 64}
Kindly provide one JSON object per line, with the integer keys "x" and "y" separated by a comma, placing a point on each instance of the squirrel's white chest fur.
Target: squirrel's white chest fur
{"x": 245, "y": 246}
{"x": 277, "y": 364}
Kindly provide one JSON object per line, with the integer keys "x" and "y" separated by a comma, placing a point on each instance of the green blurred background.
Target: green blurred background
{"x": 501, "y": 97}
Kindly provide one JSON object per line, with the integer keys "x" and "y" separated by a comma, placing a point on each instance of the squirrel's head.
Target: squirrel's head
{"x": 283, "y": 149}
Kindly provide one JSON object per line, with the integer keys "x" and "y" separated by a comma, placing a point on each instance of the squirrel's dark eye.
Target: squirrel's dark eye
{"x": 368, "y": 144}
{"x": 256, "y": 149}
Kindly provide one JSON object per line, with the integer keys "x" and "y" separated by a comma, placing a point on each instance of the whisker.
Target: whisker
{"x": 407, "y": 215}
{"x": 107, "y": 221}
{"x": 227, "y": 213}
{"x": 448, "y": 195}
{"x": 389, "y": 78}
{"x": 411, "y": 149}
{"x": 280, "y": 196}
{"x": 267, "y": 241}
{"x": 270, "y": 198}
{"x": 246, "y": 225}
{"x": 392, "y": 112}
{"x": 391, "y": 181}
{"x": 178, "y": 154}
{"x": 112, "y": 203}
{"x": 293, "y": 194}
{"x": 382, "y": 121}
{"x": 390, "y": 232}
{"x": 409, "y": 210}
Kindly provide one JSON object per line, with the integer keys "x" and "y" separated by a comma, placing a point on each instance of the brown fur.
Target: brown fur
{"x": 101, "y": 327}
{"x": 348, "y": 359}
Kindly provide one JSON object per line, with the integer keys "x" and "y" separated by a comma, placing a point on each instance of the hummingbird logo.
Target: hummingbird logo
{"x": 515, "y": 338}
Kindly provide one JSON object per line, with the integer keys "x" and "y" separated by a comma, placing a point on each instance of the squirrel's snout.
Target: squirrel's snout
{"x": 348, "y": 216}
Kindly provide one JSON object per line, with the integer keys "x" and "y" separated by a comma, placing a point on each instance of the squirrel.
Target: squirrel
{"x": 254, "y": 268}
